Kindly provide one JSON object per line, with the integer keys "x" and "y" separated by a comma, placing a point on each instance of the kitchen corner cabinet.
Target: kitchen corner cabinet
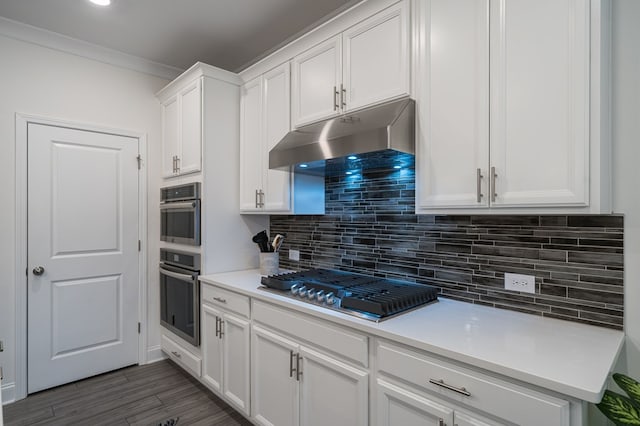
{"x": 225, "y": 347}
{"x": 505, "y": 93}
{"x": 182, "y": 130}
{"x": 295, "y": 384}
{"x": 265, "y": 116}
{"x": 366, "y": 64}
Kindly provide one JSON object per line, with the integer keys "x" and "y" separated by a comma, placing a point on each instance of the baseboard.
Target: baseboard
{"x": 155, "y": 354}
{"x": 8, "y": 393}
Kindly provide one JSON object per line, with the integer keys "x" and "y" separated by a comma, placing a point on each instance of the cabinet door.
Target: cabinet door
{"x": 236, "y": 334}
{"x": 276, "y": 114}
{"x": 316, "y": 82}
{"x": 376, "y": 58}
{"x": 211, "y": 349}
{"x": 169, "y": 136}
{"x": 453, "y": 112}
{"x": 398, "y": 406}
{"x": 274, "y": 389}
{"x": 190, "y": 157}
{"x": 540, "y": 102}
{"x": 250, "y": 145}
{"x": 330, "y": 389}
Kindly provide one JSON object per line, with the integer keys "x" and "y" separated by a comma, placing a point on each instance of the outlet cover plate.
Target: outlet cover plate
{"x": 294, "y": 255}
{"x": 519, "y": 282}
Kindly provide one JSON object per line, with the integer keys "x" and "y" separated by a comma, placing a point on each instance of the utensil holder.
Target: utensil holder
{"x": 269, "y": 263}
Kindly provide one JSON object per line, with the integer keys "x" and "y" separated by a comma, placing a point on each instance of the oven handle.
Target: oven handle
{"x": 183, "y": 277}
{"x": 183, "y": 205}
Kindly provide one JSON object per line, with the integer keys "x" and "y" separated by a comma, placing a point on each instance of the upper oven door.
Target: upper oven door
{"x": 180, "y": 222}
{"x": 180, "y": 302}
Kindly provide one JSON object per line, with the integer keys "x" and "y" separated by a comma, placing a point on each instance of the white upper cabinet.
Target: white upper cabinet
{"x": 376, "y": 58}
{"x": 250, "y": 144}
{"x": 504, "y": 98}
{"x": 540, "y": 102}
{"x": 316, "y": 82}
{"x": 170, "y": 138}
{"x": 264, "y": 122}
{"x": 453, "y": 128}
{"x": 182, "y": 131}
{"x": 366, "y": 64}
{"x": 276, "y": 122}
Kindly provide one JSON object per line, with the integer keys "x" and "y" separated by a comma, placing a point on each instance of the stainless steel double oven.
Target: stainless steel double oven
{"x": 179, "y": 270}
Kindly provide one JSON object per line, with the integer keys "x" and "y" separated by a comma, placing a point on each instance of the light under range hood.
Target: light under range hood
{"x": 379, "y": 137}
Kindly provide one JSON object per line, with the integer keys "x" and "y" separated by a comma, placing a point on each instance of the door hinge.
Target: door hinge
{"x": 139, "y": 327}
{"x": 139, "y": 158}
{"x": 139, "y": 245}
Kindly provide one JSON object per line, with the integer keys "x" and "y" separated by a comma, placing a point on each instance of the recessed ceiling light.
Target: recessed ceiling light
{"x": 304, "y": 166}
{"x": 397, "y": 167}
{"x": 101, "y": 2}
{"x": 352, "y": 157}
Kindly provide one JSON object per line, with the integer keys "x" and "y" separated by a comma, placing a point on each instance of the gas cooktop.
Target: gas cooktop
{"x": 364, "y": 296}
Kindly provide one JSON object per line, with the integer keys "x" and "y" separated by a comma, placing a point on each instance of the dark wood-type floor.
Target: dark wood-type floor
{"x": 141, "y": 395}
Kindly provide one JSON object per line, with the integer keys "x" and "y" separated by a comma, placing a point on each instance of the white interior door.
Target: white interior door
{"x": 83, "y": 232}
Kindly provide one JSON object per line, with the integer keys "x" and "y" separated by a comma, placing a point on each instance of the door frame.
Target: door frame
{"x": 21, "y": 249}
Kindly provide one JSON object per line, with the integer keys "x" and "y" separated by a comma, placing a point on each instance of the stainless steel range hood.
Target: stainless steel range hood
{"x": 375, "y": 137}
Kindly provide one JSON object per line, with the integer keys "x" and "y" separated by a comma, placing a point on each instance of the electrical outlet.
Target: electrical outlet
{"x": 518, "y": 282}
{"x": 294, "y": 255}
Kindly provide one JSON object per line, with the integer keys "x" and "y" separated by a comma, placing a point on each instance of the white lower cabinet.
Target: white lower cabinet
{"x": 399, "y": 406}
{"x": 411, "y": 384}
{"x": 296, "y": 385}
{"x": 225, "y": 350}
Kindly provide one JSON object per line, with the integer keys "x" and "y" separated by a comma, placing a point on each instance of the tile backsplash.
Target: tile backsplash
{"x": 370, "y": 227}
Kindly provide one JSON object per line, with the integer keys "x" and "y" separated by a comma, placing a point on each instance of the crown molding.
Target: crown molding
{"x": 52, "y": 40}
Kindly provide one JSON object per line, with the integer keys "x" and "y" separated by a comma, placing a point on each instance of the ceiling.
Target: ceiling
{"x": 230, "y": 34}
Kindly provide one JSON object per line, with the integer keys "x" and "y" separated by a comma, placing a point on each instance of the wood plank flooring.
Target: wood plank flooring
{"x": 140, "y": 395}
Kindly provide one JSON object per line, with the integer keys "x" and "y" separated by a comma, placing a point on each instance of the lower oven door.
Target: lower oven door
{"x": 179, "y": 302}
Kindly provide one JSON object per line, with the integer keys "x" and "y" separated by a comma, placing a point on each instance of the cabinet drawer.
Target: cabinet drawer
{"x": 352, "y": 346}
{"x": 229, "y": 300}
{"x": 181, "y": 355}
{"x": 494, "y": 396}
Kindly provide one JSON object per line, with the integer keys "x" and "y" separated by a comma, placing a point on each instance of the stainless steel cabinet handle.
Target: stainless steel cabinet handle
{"x": 177, "y": 164}
{"x": 38, "y": 270}
{"x": 442, "y": 384}
{"x": 343, "y": 96}
{"x": 221, "y": 328}
{"x": 494, "y": 194}
{"x": 441, "y": 422}
{"x": 336, "y": 106}
{"x": 291, "y": 370}
{"x": 261, "y": 194}
{"x": 217, "y": 327}
{"x": 479, "y": 194}
{"x": 177, "y": 355}
{"x": 220, "y": 299}
{"x": 298, "y": 372}
{"x": 257, "y": 199}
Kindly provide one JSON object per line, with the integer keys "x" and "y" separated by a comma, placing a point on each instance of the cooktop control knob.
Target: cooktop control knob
{"x": 294, "y": 289}
{"x": 302, "y": 291}
{"x": 320, "y": 296}
{"x": 311, "y": 294}
{"x": 329, "y": 299}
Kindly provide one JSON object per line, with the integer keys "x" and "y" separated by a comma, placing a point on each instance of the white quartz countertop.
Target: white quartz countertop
{"x": 570, "y": 358}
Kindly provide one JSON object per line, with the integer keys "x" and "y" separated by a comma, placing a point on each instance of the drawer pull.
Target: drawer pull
{"x": 220, "y": 299}
{"x": 177, "y": 355}
{"x": 441, "y": 383}
{"x": 441, "y": 422}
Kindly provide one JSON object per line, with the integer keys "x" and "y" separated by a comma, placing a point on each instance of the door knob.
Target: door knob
{"x": 38, "y": 270}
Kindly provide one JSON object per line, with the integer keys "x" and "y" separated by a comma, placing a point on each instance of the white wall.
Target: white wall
{"x": 40, "y": 81}
{"x": 626, "y": 161}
